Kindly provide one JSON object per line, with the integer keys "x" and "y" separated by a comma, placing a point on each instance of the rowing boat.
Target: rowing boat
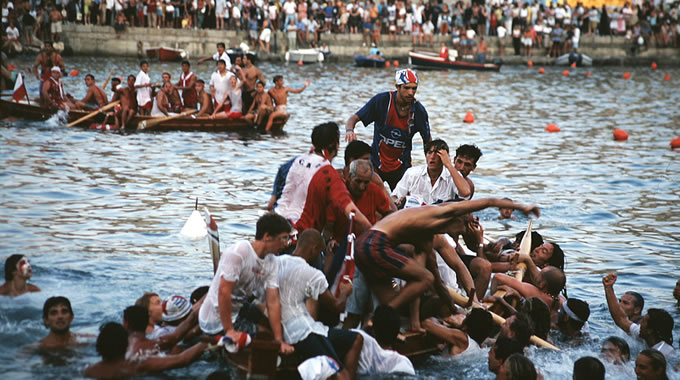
{"x": 427, "y": 60}
{"x": 34, "y": 111}
{"x": 365, "y": 61}
{"x": 166, "y": 54}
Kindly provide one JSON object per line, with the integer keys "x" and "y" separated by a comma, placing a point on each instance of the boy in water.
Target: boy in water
{"x": 17, "y": 273}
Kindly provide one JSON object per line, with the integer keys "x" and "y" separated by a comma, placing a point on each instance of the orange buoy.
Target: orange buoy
{"x": 541, "y": 70}
{"x": 620, "y": 135}
{"x": 626, "y": 75}
{"x": 654, "y": 66}
{"x": 530, "y": 63}
{"x": 469, "y": 118}
{"x": 387, "y": 63}
{"x": 395, "y": 63}
{"x": 300, "y": 63}
{"x": 675, "y": 143}
{"x": 667, "y": 77}
{"x": 11, "y": 67}
{"x": 565, "y": 73}
{"x": 588, "y": 73}
{"x": 573, "y": 65}
{"x": 74, "y": 73}
{"x": 552, "y": 128}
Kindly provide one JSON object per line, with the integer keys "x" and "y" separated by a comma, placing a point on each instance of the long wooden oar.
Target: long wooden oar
{"x": 150, "y": 123}
{"x": 107, "y": 80}
{"x": 93, "y": 113}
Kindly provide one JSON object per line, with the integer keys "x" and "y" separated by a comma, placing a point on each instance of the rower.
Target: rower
{"x": 52, "y": 94}
{"x": 17, "y": 273}
{"x": 173, "y": 96}
{"x": 397, "y": 116}
{"x": 95, "y": 97}
{"x": 187, "y": 83}
{"x": 221, "y": 55}
{"x": 205, "y": 101}
{"x": 143, "y": 87}
{"x": 280, "y": 96}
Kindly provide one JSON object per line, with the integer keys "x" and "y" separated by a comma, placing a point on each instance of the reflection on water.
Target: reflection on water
{"x": 99, "y": 213}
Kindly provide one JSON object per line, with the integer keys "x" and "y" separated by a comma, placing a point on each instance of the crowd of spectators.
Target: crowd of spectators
{"x": 554, "y": 26}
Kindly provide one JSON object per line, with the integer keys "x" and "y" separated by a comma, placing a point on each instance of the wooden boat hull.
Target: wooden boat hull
{"x": 363, "y": 61}
{"x": 35, "y": 112}
{"x": 431, "y": 61}
{"x": 166, "y": 54}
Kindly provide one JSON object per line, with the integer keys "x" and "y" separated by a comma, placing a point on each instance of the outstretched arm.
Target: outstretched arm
{"x": 454, "y": 209}
{"x": 453, "y": 336}
{"x": 524, "y": 289}
{"x": 162, "y": 363}
{"x": 615, "y": 309}
{"x": 299, "y": 90}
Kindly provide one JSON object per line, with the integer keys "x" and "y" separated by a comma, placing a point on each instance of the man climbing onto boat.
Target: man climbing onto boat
{"x": 187, "y": 83}
{"x": 279, "y": 95}
{"x": 95, "y": 97}
{"x": 397, "y": 117}
{"x": 143, "y": 87}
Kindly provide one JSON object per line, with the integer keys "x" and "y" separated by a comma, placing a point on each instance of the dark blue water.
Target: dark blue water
{"x": 98, "y": 214}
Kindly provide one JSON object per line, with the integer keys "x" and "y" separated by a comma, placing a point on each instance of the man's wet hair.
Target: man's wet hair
{"x": 137, "y": 318}
{"x": 11, "y": 266}
{"x": 386, "y": 324}
{"x": 259, "y": 82}
{"x": 54, "y": 301}
{"x": 115, "y": 80}
{"x": 355, "y": 150}
{"x": 201, "y": 81}
{"x": 504, "y": 347}
{"x": 325, "y": 136}
{"x": 621, "y": 345}
{"x": 520, "y": 368}
{"x": 185, "y": 62}
{"x": 310, "y": 237}
{"x": 437, "y": 144}
{"x": 581, "y": 309}
{"x": 555, "y": 280}
{"x": 557, "y": 258}
{"x": 658, "y": 361}
{"x": 220, "y": 44}
{"x": 277, "y": 78}
{"x": 89, "y": 76}
{"x": 112, "y": 341}
{"x": 272, "y": 224}
{"x": 469, "y": 151}
{"x": 143, "y": 63}
{"x": 197, "y": 294}
{"x": 638, "y": 300}
{"x": 250, "y": 56}
{"x": 539, "y": 313}
{"x": 145, "y": 299}
{"x": 222, "y": 61}
{"x": 536, "y": 239}
{"x": 661, "y": 325}
{"x": 478, "y": 323}
{"x": 588, "y": 368}
{"x": 522, "y": 328}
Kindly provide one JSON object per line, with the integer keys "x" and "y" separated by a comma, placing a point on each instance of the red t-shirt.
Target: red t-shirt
{"x": 374, "y": 199}
{"x": 326, "y": 189}
{"x": 390, "y": 156}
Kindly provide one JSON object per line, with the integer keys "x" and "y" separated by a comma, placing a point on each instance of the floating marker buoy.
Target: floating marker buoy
{"x": 74, "y": 73}
{"x": 620, "y": 135}
{"x": 565, "y": 73}
{"x": 626, "y": 75}
{"x": 552, "y": 128}
{"x": 588, "y": 73}
{"x": 469, "y": 118}
{"x": 541, "y": 70}
{"x": 11, "y": 67}
{"x": 654, "y": 66}
{"x": 387, "y": 63}
{"x": 300, "y": 63}
{"x": 395, "y": 63}
{"x": 530, "y": 63}
{"x": 573, "y": 65}
{"x": 667, "y": 77}
{"x": 675, "y": 143}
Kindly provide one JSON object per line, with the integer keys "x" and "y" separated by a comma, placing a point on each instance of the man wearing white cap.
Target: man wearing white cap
{"x": 397, "y": 117}
{"x": 52, "y": 94}
{"x": 143, "y": 86}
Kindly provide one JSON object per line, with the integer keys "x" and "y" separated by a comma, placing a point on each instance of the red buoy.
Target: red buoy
{"x": 588, "y": 73}
{"x": 675, "y": 143}
{"x": 469, "y": 118}
{"x": 530, "y": 63}
{"x": 300, "y": 63}
{"x": 667, "y": 77}
{"x": 654, "y": 66}
{"x": 573, "y": 65}
{"x": 395, "y": 63}
{"x": 620, "y": 135}
{"x": 11, "y": 67}
{"x": 565, "y": 73}
{"x": 541, "y": 70}
{"x": 74, "y": 73}
{"x": 387, "y": 63}
{"x": 626, "y": 75}
{"x": 552, "y": 128}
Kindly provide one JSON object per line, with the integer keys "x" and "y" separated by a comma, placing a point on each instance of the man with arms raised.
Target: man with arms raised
{"x": 248, "y": 268}
{"x": 397, "y": 117}
{"x": 95, "y": 97}
{"x": 280, "y": 96}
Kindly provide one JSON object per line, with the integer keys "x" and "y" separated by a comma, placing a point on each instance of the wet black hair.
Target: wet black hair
{"x": 621, "y": 345}
{"x": 222, "y": 61}
{"x": 554, "y": 279}
{"x": 469, "y": 151}
{"x": 112, "y": 341}
{"x": 277, "y": 78}
{"x": 661, "y": 324}
{"x": 197, "y": 294}
{"x": 356, "y": 149}
{"x": 259, "y": 82}
{"x": 504, "y": 347}
{"x": 639, "y": 301}
{"x": 658, "y": 361}
{"x": 581, "y": 309}
{"x": 386, "y": 324}
{"x": 186, "y": 63}
{"x": 250, "y": 56}
{"x": 11, "y": 266}
{"x": 201, "y": 81}
{"x": 325, "y": 136}
{"x": 89, "y": 76}
{"x": 130, "y": 76}
{"x": 221, "y": 44}
{"x": 143, "y": 63}
{"x": 536, "y": 239}
{"x": 54, "y": 301}
{"x": 522, "y": 328}
{"x": 478, "y": 323}
{"x": 115, "y": 79}
{"x": 557, "y": 258}
{"x": 588, "y": 368}
{"x": 520, "y": 368}
{"x": 137, "y": 318}
{"x": 539, "y": 313}
{"x": 438, "y": 144}
{"x": 272, "y": 224}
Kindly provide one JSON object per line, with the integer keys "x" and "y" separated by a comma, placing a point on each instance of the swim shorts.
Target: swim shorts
{"x": 374, "y": 254}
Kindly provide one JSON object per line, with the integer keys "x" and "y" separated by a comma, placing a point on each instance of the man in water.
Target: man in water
{"x": 250, "y": 76}
{"x": 95, "y": 97}
{"x": 204, "y": 100}
{"x": 220, "y": 55}
{"x": 260, "y": 107}
{"x": 187, "y": 83}
{"x": 629, "y": 306}
{"x": 280, "y": 96}
{"x": 397, "y": 116}
{"x": 676, "y": 291}
{"x": 143, "y": 87}
{"x": 57, "y": 316}
{"x": 506, "y": 213}
{"x": 17, "y": 273}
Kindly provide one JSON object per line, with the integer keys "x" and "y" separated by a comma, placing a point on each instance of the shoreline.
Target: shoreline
{"x": 101, "y": 40}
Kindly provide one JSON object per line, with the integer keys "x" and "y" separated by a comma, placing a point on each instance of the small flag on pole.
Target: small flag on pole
{"x": 19, "y": 89}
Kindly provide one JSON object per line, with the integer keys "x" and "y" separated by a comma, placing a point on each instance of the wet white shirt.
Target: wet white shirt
{"x": 298, "y": 281}
{"x": 221, "y": 83}
{"x": 143, "y": 93}
{"x": 667, "y": 350}
{"x": 417, "y": 182}
{"x": 375, "y": 360}
{"x": 251, "y": 275}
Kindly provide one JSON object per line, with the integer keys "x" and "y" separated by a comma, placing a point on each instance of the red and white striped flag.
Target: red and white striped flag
{"x": 19, "y": 89}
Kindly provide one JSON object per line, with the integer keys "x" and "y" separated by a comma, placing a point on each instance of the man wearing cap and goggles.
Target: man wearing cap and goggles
{"x": 397, "y": 117}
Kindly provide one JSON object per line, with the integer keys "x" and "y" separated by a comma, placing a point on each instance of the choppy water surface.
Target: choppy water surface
{"x": 99, "y": 213}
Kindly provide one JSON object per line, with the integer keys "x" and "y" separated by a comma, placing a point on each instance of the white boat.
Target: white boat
{"x": 304, "y": 55}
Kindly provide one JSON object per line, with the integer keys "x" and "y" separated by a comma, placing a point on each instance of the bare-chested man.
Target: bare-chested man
{"x": 57, "y": 316}
{"x": 17, "y": 273}
{"x": 47, "y": 59}
{"x": 280, "y": 96}
{"x": 128, "y": 102}
{"x": 187, "y": 83}
{"x": 261, "y": 106}
{"x": 250, "y": 75}
{"x": 205, "y": 102}
{"x": 52, "y": 94}
{"x": 55, "y": 24}
{"x": 95, "y": 97}
{"x": 377, "y": 252}
{"x": 174, "y": 98}
{"x": 162, "y": 105}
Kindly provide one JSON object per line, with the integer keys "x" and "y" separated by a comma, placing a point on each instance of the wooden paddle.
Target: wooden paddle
{"x": 150, "y": 123}
{"x": 107, "y": 80}
{"x": 93, "y": 113}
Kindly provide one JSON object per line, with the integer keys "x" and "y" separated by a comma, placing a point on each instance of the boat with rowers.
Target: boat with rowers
{"x": 34, "y": 111}
{"x": 427, "y": 60}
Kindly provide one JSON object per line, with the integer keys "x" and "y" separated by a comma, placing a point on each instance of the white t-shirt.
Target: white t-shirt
{"x": 667, "y": 350}
{"x": 428, "y": 28}
{"x": 12, "y": 33}
{"x": 501, "y": 31}
{"x": 470, "y": 34}
{"x": 289, "y": 7}
{"x": 236, "y": 100}
{"x": 222, "y": 84}
{"x": 376, "y": 360}
{"x": 143, "y": 93}
{"x": 251, "y": 275}
{"x": 225, "y": 57}
{"x": 416, "y": 182}
{"x": 298, "y": 281}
